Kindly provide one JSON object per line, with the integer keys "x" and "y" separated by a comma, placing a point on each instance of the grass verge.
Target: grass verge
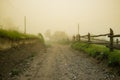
{"x": 100, "y": 52}
{"x": 14, "y": 35}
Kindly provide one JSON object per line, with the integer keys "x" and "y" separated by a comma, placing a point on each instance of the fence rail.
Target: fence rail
{"x": 109, "y": 43}
{"x": 100, "y": 35}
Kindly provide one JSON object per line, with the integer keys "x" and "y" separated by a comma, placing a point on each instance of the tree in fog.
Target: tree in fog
{"x": 59, "y": 36}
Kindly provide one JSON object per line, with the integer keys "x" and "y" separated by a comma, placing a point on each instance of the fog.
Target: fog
{"x": 94, "y": 16}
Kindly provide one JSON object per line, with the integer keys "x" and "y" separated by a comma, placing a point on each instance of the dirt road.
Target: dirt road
{"x": 60, "y": 62}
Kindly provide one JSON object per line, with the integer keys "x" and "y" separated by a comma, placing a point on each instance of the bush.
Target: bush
{"x": 40, "y": 36}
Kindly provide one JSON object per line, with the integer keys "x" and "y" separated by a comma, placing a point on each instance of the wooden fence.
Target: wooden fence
{"x": 109, "y": 43}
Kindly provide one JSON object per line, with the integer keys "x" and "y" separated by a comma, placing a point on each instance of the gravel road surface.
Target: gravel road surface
{"x": 60, "y": 62}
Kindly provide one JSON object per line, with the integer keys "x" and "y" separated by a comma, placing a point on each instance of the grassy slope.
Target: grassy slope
{"x": 99, "y": 51}
{"x": 14, "y": 35}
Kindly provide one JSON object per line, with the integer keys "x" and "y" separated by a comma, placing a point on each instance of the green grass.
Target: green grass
{"x": 14, "y": 35}
{"x": 114, "y": 58}
{"x": 100, "y": 52}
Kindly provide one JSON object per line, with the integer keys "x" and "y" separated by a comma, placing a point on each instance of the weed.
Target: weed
{"x": 15, "y": 72}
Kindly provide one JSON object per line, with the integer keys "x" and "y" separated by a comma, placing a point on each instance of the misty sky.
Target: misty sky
{"x": 94, "y": 16}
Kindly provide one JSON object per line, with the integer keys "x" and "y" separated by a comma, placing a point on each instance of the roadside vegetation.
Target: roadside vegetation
{"x": 100, "y": 52}
{"x": 14, "y": 35}
{"x": 41, "y": 38}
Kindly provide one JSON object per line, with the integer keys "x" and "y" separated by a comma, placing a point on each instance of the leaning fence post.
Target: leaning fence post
{"x": 111, "y": 39}
{"x": 88, "y": 37}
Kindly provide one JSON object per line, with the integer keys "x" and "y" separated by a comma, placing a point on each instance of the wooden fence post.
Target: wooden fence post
{"x": 73, "y": 37}
{"x": 88, "y": 37}
{"x": 111, "y": 39}
{"x": 76, "y": 38}
{"x": 117, "y": 41}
